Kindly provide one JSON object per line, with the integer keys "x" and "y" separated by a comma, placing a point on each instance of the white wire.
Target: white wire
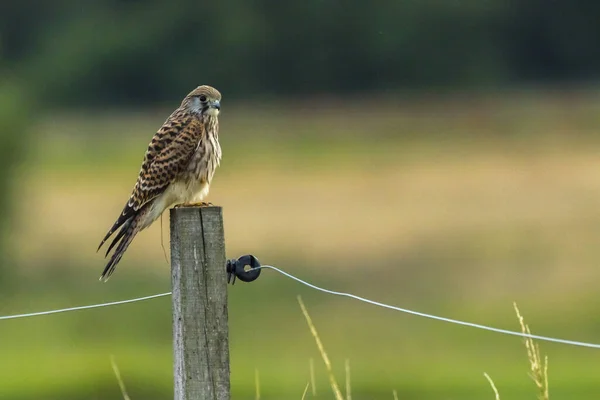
{"x": 343, "y": 294}
{"x": 420, "y": 314}
{"x": 114, "y": 303}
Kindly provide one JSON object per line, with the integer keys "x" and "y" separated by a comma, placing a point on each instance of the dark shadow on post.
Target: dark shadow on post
{"x": 200, "y": 321}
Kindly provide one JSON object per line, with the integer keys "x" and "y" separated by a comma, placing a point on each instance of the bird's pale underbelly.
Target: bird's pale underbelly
{"x": 178, "y": 192}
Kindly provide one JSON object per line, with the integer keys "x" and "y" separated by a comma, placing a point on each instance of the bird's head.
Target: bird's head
{"x": 204, "y": 100}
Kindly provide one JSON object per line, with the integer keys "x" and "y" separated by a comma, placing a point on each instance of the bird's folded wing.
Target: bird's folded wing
{"x": 165, "y": 160}
{"x": 167, "y": 156}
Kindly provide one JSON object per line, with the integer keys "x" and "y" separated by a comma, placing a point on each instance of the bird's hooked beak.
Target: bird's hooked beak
{"x": 212, "y": 108}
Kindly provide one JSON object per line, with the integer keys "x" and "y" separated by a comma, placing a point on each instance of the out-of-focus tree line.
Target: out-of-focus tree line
{"x": 125, "y": 52}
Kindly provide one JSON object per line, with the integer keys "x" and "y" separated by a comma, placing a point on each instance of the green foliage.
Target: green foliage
{"x": 15, "y": 117}
{"x": 110, "y": 52}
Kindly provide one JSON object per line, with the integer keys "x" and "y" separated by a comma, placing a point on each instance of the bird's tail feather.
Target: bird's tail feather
{"x": 130, "y": 228}
{"x": 126, "y": 215}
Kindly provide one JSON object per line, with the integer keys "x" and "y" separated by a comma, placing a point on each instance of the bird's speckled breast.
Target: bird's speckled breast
{"x": 205, "y": 160}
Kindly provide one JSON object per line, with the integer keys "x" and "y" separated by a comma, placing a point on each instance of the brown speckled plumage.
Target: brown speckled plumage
{"x": 178, "y": 167}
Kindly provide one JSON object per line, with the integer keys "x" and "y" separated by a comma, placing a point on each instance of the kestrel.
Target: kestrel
{"x": 177, "y": 169}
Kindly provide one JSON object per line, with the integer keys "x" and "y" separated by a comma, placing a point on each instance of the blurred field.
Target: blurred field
{"x": 455, "y": 205}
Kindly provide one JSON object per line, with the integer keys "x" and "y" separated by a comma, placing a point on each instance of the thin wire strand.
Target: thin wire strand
{"x": 420, "y": 314}
{"x": 113, "y": 303}
{"x": 342, "y": 294}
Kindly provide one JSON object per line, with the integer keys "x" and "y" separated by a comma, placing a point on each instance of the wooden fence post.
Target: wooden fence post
{"x": 199, "y": 281}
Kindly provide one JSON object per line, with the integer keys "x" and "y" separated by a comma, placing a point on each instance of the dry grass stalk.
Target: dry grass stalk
{"x": 119, "y": 379}
{"x": 395, "y": 394}
{"x": 305, "y": 390}
{"x": 492, "y": 385}
{"x": 348, "y": 389}
{"x": 538, "y": 368}
{"x": 313, "y": 385}
{"x": 257, "y": 384}
{"x": 313, "y": 330}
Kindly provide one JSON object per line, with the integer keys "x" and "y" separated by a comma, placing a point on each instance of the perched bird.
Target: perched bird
{"x": 177, "y": 169}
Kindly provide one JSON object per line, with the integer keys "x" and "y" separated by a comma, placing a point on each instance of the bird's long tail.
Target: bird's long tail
{"x": 128, "y": 230}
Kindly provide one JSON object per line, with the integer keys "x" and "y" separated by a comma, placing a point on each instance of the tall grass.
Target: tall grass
{"x": 119, "y": 379}
{"x": 538, "y": 368}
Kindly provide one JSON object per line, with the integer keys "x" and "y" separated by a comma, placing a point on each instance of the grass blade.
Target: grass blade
{"x": 313, "y": 330}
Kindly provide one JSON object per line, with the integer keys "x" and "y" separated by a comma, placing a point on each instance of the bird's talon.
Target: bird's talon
{"x": 201, "y": 204}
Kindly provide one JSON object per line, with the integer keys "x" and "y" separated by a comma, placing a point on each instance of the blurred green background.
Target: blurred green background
{"x": 442, "y": 156}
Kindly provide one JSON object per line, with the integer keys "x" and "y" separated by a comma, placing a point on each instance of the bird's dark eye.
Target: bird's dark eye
{"x": 203, "y": 98}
